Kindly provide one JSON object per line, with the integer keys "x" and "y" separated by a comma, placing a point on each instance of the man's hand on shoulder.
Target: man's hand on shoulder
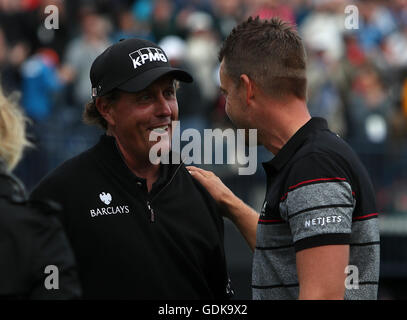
{"x": 221, "y": 193}
{"x": 244, "y": 217}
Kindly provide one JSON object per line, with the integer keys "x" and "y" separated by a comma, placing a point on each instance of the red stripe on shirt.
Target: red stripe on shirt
{"x": 278, "y": 220}
{"x": 366, "y": 216}
{"x": 314, "y": 180}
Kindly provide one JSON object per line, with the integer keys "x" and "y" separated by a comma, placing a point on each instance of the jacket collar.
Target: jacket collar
{"x": 10, "y": 185}
{"x": 3, "y": 167}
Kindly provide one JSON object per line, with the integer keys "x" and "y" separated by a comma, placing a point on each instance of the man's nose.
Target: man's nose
{"x": 163, "y": 107}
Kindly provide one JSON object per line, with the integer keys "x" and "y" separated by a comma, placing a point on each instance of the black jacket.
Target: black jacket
{"x": 32, "y": 238}
{"x": 131, "y": 244}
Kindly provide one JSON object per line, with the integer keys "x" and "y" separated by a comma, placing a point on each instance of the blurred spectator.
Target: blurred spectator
{"x": 395, "y": 48}
{"x": 227, "y": 14}
{"x": 12, "y": 20}
{"x": 354, "y": 53}
{"x": 163, "y": 19}
{"x": 10, "y": 72}
{"x": 267, "y": 9}
{"x": 130, "y": 27}
{"x": 370, "y": 111}
{"x": 35, "y": 30}
{"x": 40, "y": 81}
{"x": 324, "y": 98}
{"x": 14, "y": 43}
{"x": 375, "y": 22}
{"x": 24, "y": 21}
{"x": 142, "y": 10}
{"x": 192, "y": 111}
{"x": 323, "y": 29}
{"x": 193, "y": 5}
{"x": 202, "y": 50}
{"x": 83, "y": 49}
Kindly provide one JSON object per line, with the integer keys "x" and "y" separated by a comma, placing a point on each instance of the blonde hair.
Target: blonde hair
{"x": 13, "y": 138}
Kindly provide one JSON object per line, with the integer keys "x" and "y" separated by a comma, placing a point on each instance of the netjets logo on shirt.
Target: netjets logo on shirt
{"x": 148, "y": 54}
{"x": 321, "y": 221}
{"x": 106, "y": 198}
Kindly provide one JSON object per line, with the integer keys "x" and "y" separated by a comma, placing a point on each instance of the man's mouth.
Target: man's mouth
{"x": 160, "y": 130}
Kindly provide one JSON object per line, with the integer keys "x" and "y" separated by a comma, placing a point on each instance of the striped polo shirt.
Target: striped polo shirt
{"x": 318, "y": 193}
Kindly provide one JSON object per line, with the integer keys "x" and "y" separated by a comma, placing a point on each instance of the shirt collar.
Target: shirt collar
{"x": 295, "y": 142}
{"x": 109, "y": 142}
{"x": 161, "y": 180}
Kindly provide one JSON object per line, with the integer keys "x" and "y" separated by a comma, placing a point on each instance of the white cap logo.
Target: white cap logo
{"x": 105, "y": 197}
{"x": 148, "y": 54}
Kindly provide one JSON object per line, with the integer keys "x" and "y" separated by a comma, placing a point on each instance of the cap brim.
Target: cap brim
{"x": 142, "y": 81}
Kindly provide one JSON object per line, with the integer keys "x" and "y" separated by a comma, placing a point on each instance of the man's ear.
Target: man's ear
{"x": 105, "y": 109}
{"x": 248, "y": 86}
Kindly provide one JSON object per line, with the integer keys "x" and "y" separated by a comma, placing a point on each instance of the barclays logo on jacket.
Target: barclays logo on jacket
{"x": 106, "y": 198}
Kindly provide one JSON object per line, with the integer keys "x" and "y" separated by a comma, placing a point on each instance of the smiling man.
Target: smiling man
{"x": 139, "y": 230}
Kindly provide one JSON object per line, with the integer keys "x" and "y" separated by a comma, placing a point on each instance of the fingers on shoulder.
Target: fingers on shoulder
{"x": 194, "y": 170}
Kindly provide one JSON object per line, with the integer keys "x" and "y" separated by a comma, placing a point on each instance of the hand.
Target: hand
{"x": 244, "y": 217}
{"x": 212, "y": 184}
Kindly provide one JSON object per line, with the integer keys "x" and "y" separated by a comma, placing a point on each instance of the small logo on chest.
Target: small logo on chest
{"x": 105, "y": 197}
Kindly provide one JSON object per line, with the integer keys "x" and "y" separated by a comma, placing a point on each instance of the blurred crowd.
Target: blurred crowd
{"x": 357, "y": 78}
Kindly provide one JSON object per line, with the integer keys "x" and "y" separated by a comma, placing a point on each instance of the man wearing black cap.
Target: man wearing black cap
{"x": 139, "y": 230}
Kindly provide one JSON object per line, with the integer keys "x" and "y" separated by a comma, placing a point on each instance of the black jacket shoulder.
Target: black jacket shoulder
{"x": 33, "y": 242}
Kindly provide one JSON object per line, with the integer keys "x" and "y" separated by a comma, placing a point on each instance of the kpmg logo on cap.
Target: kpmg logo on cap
{"x": 148, "y": 54}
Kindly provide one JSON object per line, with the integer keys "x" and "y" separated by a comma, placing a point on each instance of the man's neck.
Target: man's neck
{"x": 140, "y": 166}
{"x": 284, "y": 124}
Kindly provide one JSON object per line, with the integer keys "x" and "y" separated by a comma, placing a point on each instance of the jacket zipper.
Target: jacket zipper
{"x": 150, "y": 209}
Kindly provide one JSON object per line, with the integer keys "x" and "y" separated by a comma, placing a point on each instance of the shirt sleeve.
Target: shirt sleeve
{"x": 318, "y": 202}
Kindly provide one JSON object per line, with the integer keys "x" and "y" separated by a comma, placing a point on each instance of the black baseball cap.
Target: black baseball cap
{"x": 131, "y": 65}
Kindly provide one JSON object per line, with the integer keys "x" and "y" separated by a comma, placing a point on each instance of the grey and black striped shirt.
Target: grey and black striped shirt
{"x": 318, "y": 193}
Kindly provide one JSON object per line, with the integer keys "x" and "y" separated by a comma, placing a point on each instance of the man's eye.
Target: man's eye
{"x": 170, "y": 92}
{"x": 144, "y": 97}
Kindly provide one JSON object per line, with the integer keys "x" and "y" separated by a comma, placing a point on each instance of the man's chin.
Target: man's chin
{"x": 160, "y": 147}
